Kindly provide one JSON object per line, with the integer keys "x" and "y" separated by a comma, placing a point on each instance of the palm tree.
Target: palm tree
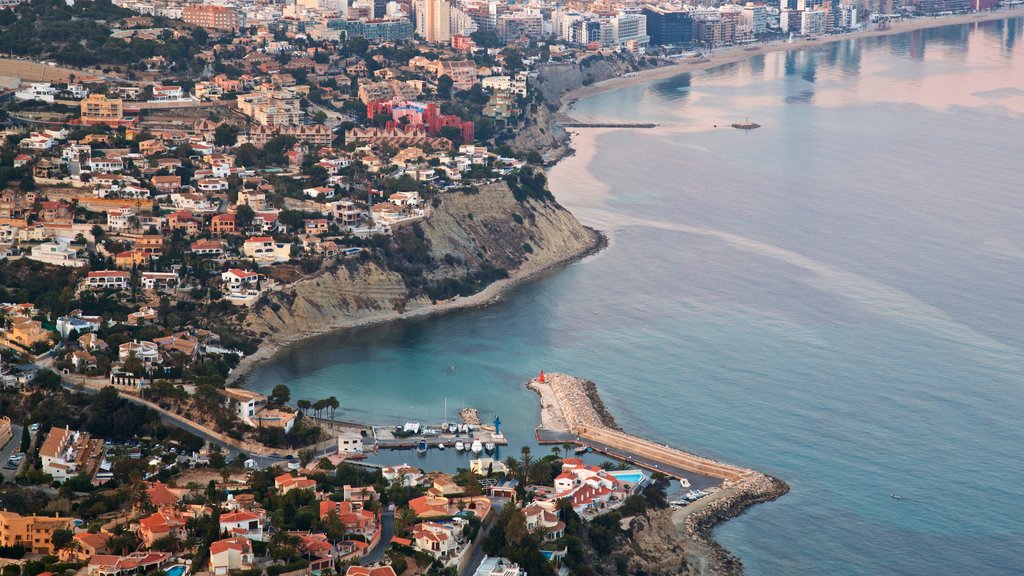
{"x": 556, "y": 451}
{"x": 333, "y": 403}
{"x": 304, "y": 405}
{"x": 404, "y": 520}
{"x": 513, "y": 467}
{"x": 526, "y": 462}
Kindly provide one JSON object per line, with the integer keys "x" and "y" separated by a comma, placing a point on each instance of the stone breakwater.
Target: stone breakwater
{"x": 698, "y": 521}
{"x": 572, "y": 405}
{"x": 575, "y": 400}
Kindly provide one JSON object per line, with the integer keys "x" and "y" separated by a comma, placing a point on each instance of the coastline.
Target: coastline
{"x": 494, "y": 292}
{"x": 735, "y": 54}
{"x": 572, "y": 407}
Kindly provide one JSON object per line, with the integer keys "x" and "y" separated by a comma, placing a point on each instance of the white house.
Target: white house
{"x": 58, "y": 254}
{"x": 242, "y": 523}
{"x": 230, "y": 554}
{"x": 39, "y": 91}
{"x": 103, "y": 279}
{"x": 264, "y": 249}
{"x": 319, "y": 192}
{"x": 235, "y": 280}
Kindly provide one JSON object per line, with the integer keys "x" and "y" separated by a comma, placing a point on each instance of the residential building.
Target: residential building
{"x": 213, "y": 248}
{"x": 440, "y": 540}
{"x": 27, "y": 332}
{"x": 212, "y": 16}
{"x": 146, "y": 351}
{"x": 433, "y": 21}
{"x": 249, "y": 402}
{"x": 134, "y": 563}
{"x": 34, "y": 533}
{"x": 58, "y": 254}
{"x": 497, "y": 566}
{"x": 243, "y": 523}
{"x": 265, "y": 249}
{"x": 285, "y": 483}
{"x": 67, "y": 453}
{"x": 98, "y": 109}
{"x": 106, "y": 279}
{"x": 223, "y": 224}
{"x": 162, "y": 524}
{"x": 159, "y": 281}
{"x": 230, "y": 554}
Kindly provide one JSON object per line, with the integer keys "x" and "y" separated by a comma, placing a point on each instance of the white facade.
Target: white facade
{"x": 57, "y": 254}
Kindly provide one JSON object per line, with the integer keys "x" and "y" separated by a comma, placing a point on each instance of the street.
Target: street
{"x": 387, "y": 524}
{"x": 12, "y": 447}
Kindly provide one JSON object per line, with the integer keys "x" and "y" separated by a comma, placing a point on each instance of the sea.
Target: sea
{"x": 835, "y": 298}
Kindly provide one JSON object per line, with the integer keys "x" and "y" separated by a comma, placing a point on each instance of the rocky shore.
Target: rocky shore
{"x": 662, "y": 542}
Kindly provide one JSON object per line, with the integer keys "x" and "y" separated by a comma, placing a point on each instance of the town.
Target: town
{"x": 169, "y": 170}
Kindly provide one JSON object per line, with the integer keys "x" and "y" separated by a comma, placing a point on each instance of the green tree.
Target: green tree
{"x": 281, "y": 394}
{"x": 444, "y": 86}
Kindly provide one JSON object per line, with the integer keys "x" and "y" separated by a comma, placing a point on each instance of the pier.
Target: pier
{"x": 572, "y": 412}
{"x": 607, "y": 125}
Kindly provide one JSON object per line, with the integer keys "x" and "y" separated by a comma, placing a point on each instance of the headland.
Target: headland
{"x": 572, "y": 411}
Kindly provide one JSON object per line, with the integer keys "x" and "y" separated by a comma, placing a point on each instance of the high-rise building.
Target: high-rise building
{"x": 668, "y": 26}
{"x": 433, "y": 21}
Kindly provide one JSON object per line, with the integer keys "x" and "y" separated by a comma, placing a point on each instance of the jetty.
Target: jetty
{"x": 608, "y": 125}
{"x": 573, "y": 412}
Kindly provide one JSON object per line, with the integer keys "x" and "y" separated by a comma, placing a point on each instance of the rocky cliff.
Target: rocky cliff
{"x": 553, "y": 82}
{"x": 498, "y": 235}
{"x": 671, "y": 542}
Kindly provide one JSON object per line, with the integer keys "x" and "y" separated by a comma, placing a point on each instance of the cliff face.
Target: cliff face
{"x": 541, "y": 133}
{"x": 468, "y": 233}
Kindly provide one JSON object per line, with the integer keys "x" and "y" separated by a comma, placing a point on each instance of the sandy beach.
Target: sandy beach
{"x": 733, "y": 54}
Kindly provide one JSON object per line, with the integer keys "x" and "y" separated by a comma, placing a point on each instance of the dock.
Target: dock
{"x": 384, "y": 437}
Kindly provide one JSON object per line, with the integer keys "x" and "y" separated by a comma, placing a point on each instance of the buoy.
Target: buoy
{"x": 541, "y": 378}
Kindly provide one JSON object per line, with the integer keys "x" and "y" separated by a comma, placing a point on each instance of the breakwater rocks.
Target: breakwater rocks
{"x": 699, "y": 522}
{"x": 677, "y": 541}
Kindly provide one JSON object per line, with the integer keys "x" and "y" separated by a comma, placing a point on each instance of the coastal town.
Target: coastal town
{"x": 180, "y": 185}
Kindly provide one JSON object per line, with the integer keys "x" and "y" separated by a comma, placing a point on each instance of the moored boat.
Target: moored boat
{"x": 489, "y": 447}
{"x": 459, "y": 446}
{"x": 421, "y": 448}
{"x": 476, "y": 447}
{"x": 440, "y": 446}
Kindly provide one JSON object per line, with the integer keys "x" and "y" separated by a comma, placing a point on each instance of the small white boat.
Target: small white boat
{"x": 489, "y": 447}
{"x": 476, "y": 447}
{"x": 444, "y": 426}
{"x": 421, "y": 448}
{"x": 459, "y": 446}
{"x": 684, "y": 483}
{"x": 440, "y": 446}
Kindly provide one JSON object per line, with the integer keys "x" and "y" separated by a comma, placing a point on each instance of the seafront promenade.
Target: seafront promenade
{"x": 571, "y": 406}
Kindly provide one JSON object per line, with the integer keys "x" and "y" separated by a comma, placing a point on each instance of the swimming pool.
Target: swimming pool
{"x": 177, "y": 570}
{"x": 630, "y": 476}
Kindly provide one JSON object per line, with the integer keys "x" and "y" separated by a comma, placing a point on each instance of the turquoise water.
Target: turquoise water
{"x": 175, "y": 570}
{"x": 833, "y": 298}
{"x": 629, "y": 477}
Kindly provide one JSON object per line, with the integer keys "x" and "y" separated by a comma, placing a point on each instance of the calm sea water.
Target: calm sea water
{"x": 834, "y": 298}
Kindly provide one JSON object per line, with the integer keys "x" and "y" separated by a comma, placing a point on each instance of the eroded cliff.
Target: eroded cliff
{"x": 499, "y": 235}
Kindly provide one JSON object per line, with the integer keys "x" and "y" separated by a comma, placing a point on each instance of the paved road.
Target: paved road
{"x": 5, "y": 453}
{"x": 387, "y": 523}
{"x": 478, "y": 556}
